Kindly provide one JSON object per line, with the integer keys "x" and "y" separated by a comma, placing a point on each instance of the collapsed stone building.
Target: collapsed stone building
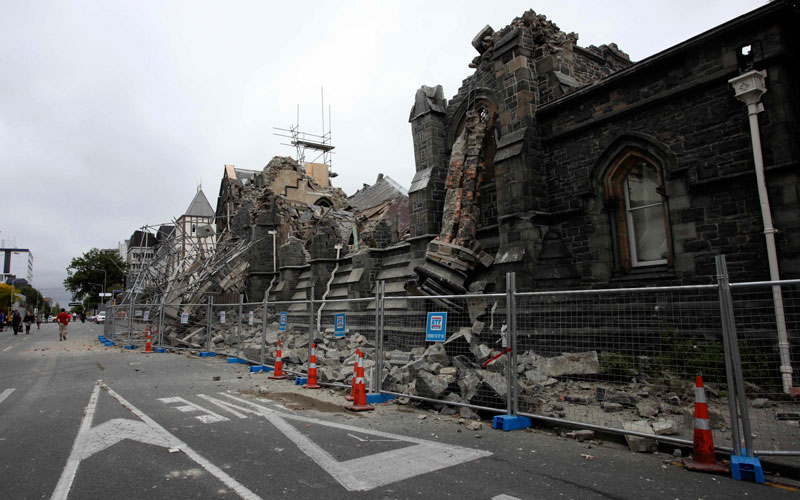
{"x": 572, "y": 166}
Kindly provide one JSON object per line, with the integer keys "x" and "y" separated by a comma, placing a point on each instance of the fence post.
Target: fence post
{"x": 264, "y": 328}
{"x": 310, "y": 323}
{"x": 130, "y": 315}
{"x": 733, "y": 365}
{"x": 377, "y": 369}
{"x": 210, "y": 309}
{"x": 511, "y": 371}
{"x": 161, "y": 325}
{"x": 113, "y": 313}
{"x": 239, "y": 330}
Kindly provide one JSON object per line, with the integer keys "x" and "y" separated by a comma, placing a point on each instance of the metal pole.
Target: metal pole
{"x": 130, "y": 315}
{"x": 161, "y": 326}
{"x": 264, "y": 328}
{"x": 239, "y": 330}
{"x": 744, "y": 415}
{"x": 509, "y": 321}
{"x": 377, "y": 370}
{"x": 113, "y": 313}
{"x": 725, "y": 313}
{"x": 310, "y": 322}
{"x": 210, "y": 308}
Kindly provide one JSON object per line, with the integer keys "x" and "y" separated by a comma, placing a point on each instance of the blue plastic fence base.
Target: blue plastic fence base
{"x": 206, "y": 354}
{"x": 379, "y": 398}
{"x": 130, "y": 347}
{"x": 237, "y": 360}
{"x": 101, "y": 337}
{"x": 108, "y": 343}
{"x": 744, "y": 467}
{"x": 160, "y": 349}
{"x": 511, "y": 422}
{"x": 300, "y": 380}
{"x": 261, "y": 368}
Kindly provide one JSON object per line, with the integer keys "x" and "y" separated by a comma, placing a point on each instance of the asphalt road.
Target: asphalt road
{"x": 82, "y": 421}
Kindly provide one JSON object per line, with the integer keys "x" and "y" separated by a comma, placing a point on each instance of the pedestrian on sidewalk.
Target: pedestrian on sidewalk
{"x": 39, "y": 321}
{"x": 2, "y": 321}
{"x": 63, "y": 320}
{"x": 16, "y": 322}
{"x": 28, "y": 320}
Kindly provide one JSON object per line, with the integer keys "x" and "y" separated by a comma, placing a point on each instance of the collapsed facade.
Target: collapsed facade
{"x": 572, "y": 167}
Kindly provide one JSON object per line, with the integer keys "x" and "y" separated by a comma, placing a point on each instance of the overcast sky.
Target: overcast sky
{"x": 111, "y": 113}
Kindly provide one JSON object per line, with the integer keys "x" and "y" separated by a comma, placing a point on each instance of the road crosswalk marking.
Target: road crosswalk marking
{"x": 6, "y": 393}
{"x": 208, "y": 416}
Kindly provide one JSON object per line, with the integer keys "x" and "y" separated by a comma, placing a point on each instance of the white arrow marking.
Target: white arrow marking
{"x": 6, "y": 393}
{"x": 91, "y": 440}
{"x": 371, "y": 471}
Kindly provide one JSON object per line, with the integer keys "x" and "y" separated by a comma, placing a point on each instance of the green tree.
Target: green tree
{"x": 56, "y": 309}
{"x": 6, "y": 300}
{"x": 33, "y": 298}
{"x": 88, "y": 273}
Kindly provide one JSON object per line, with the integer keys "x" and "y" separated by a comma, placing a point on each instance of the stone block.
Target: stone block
{"x": 664, "y": 426}
{"x": 612, "y": 407}
{"x": 640, "y": 444}
{"x": 582, "y": 435}
{"x": 431, "y": 386}
{"x": 481, "y": 351}
{"x": 436, "y": 353}
{"x": 647, "y": 409}
{"x": 579, "y": 363}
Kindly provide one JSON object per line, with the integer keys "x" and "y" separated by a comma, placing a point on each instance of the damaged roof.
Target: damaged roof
{"x": 384, "y": 189}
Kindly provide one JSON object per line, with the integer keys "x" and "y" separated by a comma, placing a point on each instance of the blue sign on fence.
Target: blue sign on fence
{"x": 282, "y": 323}
{"x": 339, "y": 325}
{"x": 184, "y": 318}
{"x": 436, "y": 330}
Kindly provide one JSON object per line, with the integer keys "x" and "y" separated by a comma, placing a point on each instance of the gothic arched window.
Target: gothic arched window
{"x": 634, "y": 188}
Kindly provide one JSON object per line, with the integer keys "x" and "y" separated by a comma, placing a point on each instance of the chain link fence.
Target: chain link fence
{"x": 618, "y": 360}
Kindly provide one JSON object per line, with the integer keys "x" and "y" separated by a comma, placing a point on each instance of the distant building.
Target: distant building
{"x": 17, "y": 266}
{"x": 141, "y": 252}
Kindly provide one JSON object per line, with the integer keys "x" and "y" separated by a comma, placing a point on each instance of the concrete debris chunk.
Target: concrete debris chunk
{"x": 582, "y": 435}
{"x": 664, "y": 427}
{"x": 639, "y": 444}
{"x": 579, "y": 363}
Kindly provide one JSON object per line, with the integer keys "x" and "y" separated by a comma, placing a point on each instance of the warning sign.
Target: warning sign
{"x": 339, "y": 325}
{"x": 436, "y": 330}
{"x": 284, "y": 318}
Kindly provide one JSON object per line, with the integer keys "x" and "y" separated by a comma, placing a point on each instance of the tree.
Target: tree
{"x": 6, "y": 300}
{"x": 33, "y": 298}
{"x": 56, "y": 309}
{"x": 86, "y": 275}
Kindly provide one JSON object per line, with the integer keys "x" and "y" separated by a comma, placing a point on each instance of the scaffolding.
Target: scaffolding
{"x": 319, "y": 145}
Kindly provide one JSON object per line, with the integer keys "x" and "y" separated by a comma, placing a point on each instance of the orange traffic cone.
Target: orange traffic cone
{"x": 360, "y": 397}
{"x": 312, "y": 370}
{"x": 352, "y": 395}
{"x": 148, "y": 346}
{"x": 278, "y": 365}
{"x": 703, "y": 458}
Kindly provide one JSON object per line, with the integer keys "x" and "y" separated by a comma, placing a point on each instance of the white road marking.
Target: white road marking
{"x": 371, "y": 471}
{"x": 504, "y": 497}
{"x": 223, "y": 404}
{"x": 9, "y": 347}
{"x": 375, "y": 440}
{"x": 6, "y": 393}
{"x": 208, "y": 417}
{"x": 91, "y": 440}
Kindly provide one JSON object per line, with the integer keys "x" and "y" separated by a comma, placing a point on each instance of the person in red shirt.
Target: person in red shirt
{"x": 63, "y": 320}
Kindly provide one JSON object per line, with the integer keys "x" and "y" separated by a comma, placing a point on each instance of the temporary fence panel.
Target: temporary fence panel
{"x": 343, "y": 326}
{"x": 764, "y": 313}
{"x": 186, "y": 326}
{"x": 447, "y": 348}
{"x": 623, "y": 359}
{"x": 224, "y": 320}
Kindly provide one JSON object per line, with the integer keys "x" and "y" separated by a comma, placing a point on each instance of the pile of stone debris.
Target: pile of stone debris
{"x": 466, "y": 370}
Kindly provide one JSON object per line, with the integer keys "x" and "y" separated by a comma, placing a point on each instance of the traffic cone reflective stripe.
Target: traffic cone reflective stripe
{"x": 278, "y": 374}
{"x": 352, "y": 395}
{"x": 360, "y": 396}
{"x": 312, "y": 370}
{"x": 703, "y": 456}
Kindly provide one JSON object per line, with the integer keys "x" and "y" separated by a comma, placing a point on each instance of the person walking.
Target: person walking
{"x": 2, "y": 321}
{"x": 39, "y": 321}
{"x": 16, "y": 321}
{"x": 28, "y": 320}
{"x": 63, "y": 320}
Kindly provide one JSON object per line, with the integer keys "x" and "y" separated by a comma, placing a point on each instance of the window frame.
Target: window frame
{"x": 618, "y": 204}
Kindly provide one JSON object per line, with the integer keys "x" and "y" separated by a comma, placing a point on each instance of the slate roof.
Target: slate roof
{"x": 142, "y": 239}
{"x": 200, "y": 207}
{"x": 383, "y": 190}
